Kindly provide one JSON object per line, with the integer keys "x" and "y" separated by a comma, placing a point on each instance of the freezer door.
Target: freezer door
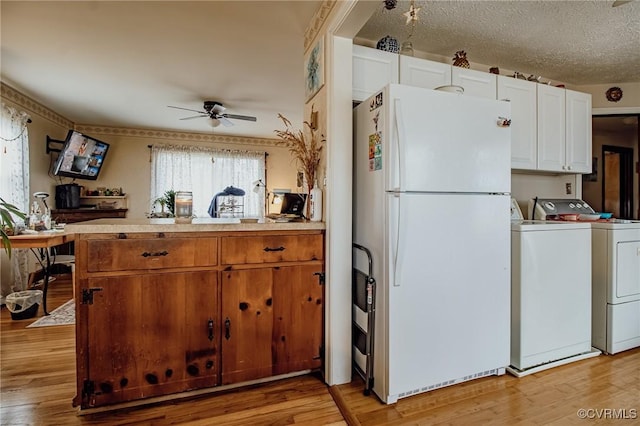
{"x": 447, "y": 288}
{"x": 445, "y": 142}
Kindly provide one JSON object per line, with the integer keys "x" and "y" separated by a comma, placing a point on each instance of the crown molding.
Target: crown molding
{"x": 317, "y": 21}
{"x": 173, "y": 135}
{"x": 32, "y": 105}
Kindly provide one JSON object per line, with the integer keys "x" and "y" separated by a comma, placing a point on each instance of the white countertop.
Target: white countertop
{"x": 109, "y": 225}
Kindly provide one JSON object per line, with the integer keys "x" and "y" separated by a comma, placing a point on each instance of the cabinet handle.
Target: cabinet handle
{"x": 569, "y": 167}
{"x": 210, "y": 327}
{"x": 274, "y": 249}
{"x": 227, "y": 329}
{"x": 156, "y": 254}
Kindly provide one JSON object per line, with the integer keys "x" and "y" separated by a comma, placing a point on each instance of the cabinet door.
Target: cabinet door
{"x": 475, "y": 83}
{"x": 522, "y": 96}
{"x": 551, "y": 128}
{"x": 272, "y": 322}
{"x": 578, "y": 131}
{"x": 298, "y": 301}
{"x": 372, "y": 70}
{"x": 149, "y": 335}
{"x": 247, "y": 325}
{"x": 423, "y": 73}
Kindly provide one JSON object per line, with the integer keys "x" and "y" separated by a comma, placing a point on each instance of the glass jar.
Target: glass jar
{"x": 184, "y": 204}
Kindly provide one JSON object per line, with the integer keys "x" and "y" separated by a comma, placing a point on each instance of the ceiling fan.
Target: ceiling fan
{"x": 215, "y": 111}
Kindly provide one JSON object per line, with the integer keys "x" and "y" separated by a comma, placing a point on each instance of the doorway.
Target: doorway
{"x": 617, "y": 181}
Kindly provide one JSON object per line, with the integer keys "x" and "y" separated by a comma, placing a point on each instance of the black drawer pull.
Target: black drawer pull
{"x": 156, "y": 254}
{"x": 274, "y": 249}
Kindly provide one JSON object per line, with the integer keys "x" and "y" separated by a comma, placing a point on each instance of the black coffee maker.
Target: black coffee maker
{"x": 68, "y": 196}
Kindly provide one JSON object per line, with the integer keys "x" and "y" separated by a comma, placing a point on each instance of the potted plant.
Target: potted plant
{"x": 167, "y": 200}
{"x": 305, "y": 150}
{"x": 7, "y": 222}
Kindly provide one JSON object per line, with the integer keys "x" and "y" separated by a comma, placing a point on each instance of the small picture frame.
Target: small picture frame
{"x": 314, "y": 70}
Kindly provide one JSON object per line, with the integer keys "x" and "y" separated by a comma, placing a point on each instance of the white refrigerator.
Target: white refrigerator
{"x": 432, "y": 203}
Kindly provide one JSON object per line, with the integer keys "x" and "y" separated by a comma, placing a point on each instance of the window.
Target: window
{"x": 206, "y": 172}
{"x": 14, "y": 185}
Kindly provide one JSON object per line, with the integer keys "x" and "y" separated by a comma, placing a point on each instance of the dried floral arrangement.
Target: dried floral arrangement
{"x": 306, "y": 151}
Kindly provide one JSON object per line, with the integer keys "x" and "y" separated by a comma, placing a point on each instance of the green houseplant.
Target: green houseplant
{"x": 167, "y": 200}
{"x": 7, "y": 222}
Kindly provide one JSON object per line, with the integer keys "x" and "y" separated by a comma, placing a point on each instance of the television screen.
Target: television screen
{"x": 81, "y": 157}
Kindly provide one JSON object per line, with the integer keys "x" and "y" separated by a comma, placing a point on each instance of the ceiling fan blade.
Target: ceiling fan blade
{"x": 240, "y": 117}
{"x": 620, "y": 2}
{"x": 225, "y": 122}
{"x": 187, "y": 109}
{"x": 194, "y": 116}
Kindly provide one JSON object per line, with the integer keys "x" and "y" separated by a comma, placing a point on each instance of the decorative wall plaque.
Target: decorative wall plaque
{"x": 614, "y": 94}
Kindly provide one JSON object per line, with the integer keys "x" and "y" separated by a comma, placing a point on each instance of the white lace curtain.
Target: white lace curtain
{"x": 206, "y": 172}
{"x": 14, "y": 188}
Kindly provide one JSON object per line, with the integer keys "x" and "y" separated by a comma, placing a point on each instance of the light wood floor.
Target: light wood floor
{"x": 37, "y": 384}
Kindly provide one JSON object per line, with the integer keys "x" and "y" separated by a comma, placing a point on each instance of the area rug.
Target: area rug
{"x": 63, "y": 315}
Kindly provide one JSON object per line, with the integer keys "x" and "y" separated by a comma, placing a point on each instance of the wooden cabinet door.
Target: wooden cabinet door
{"x": 372, "y": 70}
{"x": 423, "y": 73}
{"x": 247, "y": 325}
{"x": 475, "y": 83}
{"x": 578, "y": 131}
{"x": 148, "y": 335}
{"x": 551, "y": 128}
{"x": 298, "y": 303}
{"x": 272, "y": 322}
{"x": 522, "y": 96}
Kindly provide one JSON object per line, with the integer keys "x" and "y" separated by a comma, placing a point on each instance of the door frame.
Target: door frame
{"x": 626, "y": 178}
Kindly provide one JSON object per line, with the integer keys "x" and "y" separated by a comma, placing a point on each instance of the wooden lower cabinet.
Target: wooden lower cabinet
{"x": 165, "y": 313}
{"x": 271, "y": 322}
{"x": 149, "y": 335}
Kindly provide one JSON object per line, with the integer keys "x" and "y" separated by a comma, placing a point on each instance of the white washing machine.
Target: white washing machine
{"x": 550, "y": 294}
{"x": 616, "y": 285}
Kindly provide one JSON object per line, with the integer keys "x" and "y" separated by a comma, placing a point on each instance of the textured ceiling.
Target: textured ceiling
{"x": 576, "y": 42}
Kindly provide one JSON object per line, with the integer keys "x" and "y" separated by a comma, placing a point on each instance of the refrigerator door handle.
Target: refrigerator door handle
{"x": 399, "y": 171}
{"x": 400, "y": 230}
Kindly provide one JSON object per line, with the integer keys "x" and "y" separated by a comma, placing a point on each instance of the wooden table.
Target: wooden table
{"x": 41, "y": 241}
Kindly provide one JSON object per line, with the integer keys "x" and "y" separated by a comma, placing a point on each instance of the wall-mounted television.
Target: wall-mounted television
{"x": 81, "y": 156}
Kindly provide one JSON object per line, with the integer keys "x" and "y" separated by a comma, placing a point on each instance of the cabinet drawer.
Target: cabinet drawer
{"x": 133, "y": 254}
{"x": 271, "y": 248}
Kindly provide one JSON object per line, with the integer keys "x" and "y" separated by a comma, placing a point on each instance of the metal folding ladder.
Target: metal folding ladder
{"x": 363, "y": 299}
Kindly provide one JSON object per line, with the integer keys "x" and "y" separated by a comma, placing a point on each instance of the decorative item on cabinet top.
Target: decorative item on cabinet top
{"x": 460, "y": 59}
{"x": 388, "y": 44}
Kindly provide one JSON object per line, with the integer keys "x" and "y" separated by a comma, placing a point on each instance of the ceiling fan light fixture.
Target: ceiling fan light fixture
{"x": 214, "y": 122}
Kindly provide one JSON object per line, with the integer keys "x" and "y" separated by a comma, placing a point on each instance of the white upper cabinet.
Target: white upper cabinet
{"x": 550, "y": 126}
{"x": 423, "y": 73}
{"x": 578, "y": 131}
{"x": 522, "y": 96}
{"x": 475, "y": 83}
{"x": 551, "y": 129}
{"x": 372, "y": 70}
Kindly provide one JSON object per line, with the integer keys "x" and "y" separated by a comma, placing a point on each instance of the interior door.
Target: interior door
{"x": 151, "y": 335}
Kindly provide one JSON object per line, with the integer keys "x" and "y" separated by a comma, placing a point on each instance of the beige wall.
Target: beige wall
{"x": 630, "y": 95}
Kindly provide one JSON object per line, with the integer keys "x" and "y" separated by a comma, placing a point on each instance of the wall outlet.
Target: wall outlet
{"x": 568, "y": 187}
